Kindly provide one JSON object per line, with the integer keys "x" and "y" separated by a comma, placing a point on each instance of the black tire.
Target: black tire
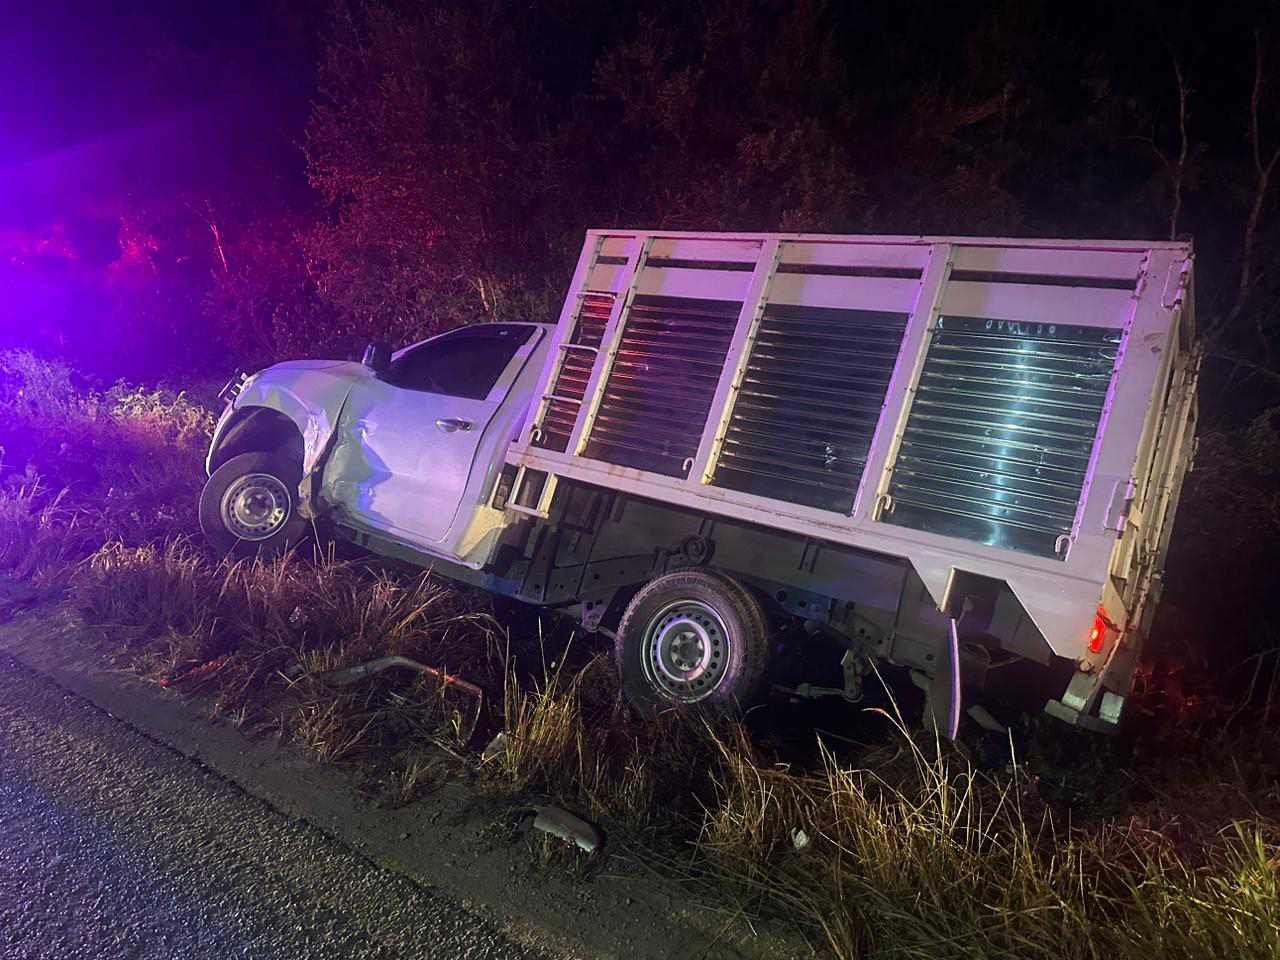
{"x": 276, "y": 534}
{"x": 700, "y": 615}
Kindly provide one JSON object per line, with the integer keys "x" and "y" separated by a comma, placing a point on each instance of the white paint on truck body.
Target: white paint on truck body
{"x": 309, "y": 392}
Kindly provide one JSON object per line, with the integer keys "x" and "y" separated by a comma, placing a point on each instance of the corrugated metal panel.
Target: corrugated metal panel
{"x": 575, "y": 369}
{"x": 662, "y": 382}
{"x": 998, "y": 439}
{"x": 808, "y": 403}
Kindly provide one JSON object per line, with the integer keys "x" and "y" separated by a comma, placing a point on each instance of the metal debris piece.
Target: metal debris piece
{"x": 359, "y": 672}
{"x": 563, "y": 824}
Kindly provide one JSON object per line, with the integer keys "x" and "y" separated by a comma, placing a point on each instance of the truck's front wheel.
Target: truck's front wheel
{"x": 692, "y": 637}
{"x": 250, "y": 505}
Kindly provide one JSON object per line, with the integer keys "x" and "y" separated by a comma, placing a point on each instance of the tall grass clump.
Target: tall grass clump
{"x": 951, "y": 863}
{"x": 568, "y": 735}
{"x": 40, "y": 537}
{"x": 259, "y": 636}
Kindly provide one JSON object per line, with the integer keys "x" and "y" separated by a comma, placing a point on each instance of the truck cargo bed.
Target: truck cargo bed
{"x": 1019, "y": 410}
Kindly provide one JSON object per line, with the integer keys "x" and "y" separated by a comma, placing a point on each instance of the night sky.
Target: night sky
{"x": 103, "y": 100}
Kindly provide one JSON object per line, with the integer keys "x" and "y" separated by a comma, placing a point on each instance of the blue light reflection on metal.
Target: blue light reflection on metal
{"x": 997, "y": 444}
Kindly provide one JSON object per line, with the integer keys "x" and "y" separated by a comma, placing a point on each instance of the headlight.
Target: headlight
{"x": 232, "y": 390}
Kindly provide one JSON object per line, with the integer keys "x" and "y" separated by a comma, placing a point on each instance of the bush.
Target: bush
{"x": 80, "y": 468}
{"x": 32, "y": 387}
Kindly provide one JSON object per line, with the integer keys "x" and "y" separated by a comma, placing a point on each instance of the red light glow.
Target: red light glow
{"x": 1098, "y": 635}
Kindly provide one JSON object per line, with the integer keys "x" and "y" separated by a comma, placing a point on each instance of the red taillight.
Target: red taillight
{"x": 1098, "y": 635}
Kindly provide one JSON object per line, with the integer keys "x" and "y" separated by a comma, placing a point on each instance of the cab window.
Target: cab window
{"x": 461, "y": 363}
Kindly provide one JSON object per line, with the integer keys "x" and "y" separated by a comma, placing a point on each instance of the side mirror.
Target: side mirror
{"x": 377, "y": 357}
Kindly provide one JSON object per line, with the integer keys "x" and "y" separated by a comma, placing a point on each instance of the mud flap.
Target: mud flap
{"x": 944, "y": 688}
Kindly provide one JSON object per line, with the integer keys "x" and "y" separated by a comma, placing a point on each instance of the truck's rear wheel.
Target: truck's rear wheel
{"x": 250, "y": 505}
{"x": 692, "y": 637}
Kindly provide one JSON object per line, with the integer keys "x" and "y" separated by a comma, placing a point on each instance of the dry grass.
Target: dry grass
{"x": 417, "y": 773}
{"x": 281, "y": 625}
{"x": 953, "y": 865}
{"x": 937, "y": 860}
{"x": 920, "y": 856}
{"x": 570, "y": 736}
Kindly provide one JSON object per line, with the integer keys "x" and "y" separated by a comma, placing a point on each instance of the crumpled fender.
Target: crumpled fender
{"x": 312, "y": 394}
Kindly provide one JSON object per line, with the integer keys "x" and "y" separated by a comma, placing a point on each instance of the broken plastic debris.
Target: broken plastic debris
{"x": 496, "y": 747}
{"x": 563, "y": 824}
{"x": 799, "y": 839}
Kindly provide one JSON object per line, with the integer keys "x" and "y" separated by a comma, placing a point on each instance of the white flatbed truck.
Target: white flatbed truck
{"x": 945, "y": 453}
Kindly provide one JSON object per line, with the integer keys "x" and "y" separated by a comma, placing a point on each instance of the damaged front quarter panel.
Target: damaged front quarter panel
{"x": 309, "y": 394}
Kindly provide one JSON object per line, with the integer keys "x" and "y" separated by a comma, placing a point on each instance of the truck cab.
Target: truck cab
{"x": 407, "y": 447}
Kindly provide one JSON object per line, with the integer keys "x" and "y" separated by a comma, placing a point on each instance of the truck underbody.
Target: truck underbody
{"x": 597, "y": 548}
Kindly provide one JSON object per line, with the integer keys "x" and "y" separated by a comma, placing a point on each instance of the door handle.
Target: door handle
{"x": 452, "y": 424}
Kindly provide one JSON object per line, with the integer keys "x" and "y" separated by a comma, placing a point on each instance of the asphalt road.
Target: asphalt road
{"x": 113, "y": 846}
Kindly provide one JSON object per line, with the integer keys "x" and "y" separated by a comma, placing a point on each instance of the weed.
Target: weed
{"x": 952, "y": 865}
{"x": 331, "y": 729}
{"x": 414, "y": 776}
{"x": 40, "y": 537}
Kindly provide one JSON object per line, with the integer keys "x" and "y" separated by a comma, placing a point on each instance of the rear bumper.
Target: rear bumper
{"x": 1096, "y": 694}
{"x": 1110, "y": 707}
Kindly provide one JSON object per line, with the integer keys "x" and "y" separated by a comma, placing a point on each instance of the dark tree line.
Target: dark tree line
{"x": 457, "y": 151}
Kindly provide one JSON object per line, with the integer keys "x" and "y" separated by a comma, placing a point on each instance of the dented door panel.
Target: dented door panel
{"x": 394, "y": 469}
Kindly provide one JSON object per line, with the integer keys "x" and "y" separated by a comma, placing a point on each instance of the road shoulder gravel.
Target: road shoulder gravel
{"x": 118, "y": 848}
{"x": 446, "y": 840}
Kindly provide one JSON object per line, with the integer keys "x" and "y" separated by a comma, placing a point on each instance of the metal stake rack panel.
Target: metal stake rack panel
{"x": 969, "y": 404}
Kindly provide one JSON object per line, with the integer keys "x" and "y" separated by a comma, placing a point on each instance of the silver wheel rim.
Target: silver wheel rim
{"x": 686, "y": 651}
{"x": 256, "y": 506}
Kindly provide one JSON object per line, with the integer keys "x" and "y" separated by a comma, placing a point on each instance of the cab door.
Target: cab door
{"x": 407, "y": 441}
